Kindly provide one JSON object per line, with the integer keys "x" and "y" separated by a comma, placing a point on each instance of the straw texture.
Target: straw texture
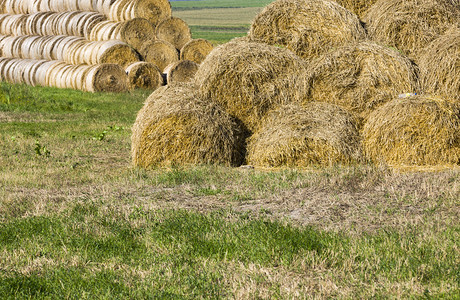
{"x": 361, "y": 77}
{"x": 417, "y": 130}
{"x": 248, "y": 79}
{"x": 315, "y": 134}
{"x": 410, "y": 25}
{"x": 175, "y": 126}
{"x": 307, "y": 27}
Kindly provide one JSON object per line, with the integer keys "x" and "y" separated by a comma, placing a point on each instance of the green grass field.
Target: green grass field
{"x": 218, "y": 21}
{"x": 78, "y": 221}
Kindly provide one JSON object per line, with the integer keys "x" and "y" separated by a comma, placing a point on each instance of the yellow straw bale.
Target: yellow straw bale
{"x": 307, "y": 27}
{"x": 175, "y": 126}
{"x": 106, "y": 78}
{"x": 410, "y": 25}
{"x": 181, "y": 71}
{"x": 196, "y": 50}
{"x": 359, "y": 7}
{"x": 160, "y": 53}
{"x": 137, "y": 32}
{"x": 117, "y": 52}
{"x": 154, "y": 11}
{"x": 144, "y": 75}
{"x": 360, "y": 77}
{"x": 315, "y": 134}
{"x": 175, "y": 31}
{"x": 440, "y": 65}
{"x": 248, "y": 79}
{"x": 415, "y": 131}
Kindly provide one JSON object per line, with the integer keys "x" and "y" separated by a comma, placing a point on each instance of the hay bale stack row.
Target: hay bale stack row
{"x": 90, "y": 25}
{"x": 70, "y": 49}
{"x": 96, "y": 78}
{"x": 158, "y": 41}
{"x": 308, "y": 87}
{"x": 116, "y": 10}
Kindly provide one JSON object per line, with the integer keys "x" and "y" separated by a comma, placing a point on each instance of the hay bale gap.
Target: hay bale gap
{"x": 175, "y": 126}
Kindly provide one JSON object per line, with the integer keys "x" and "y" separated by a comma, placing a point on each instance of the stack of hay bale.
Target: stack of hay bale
{"x": 310, "y": 85}
{"x": 140, "y": 37}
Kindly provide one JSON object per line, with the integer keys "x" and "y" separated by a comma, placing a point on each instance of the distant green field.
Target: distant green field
{"x": 176, "y": 5}
{"x": 218, "y": 21}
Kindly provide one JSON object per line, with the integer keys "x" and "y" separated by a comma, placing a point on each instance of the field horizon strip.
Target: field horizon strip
{"x": 77, "y": 220}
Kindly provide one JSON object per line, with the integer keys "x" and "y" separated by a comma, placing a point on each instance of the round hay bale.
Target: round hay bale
{"x": 154, "y": 11}
{"x": 42, "y": 71}
{"x": 160, "y": 53}
{"x": 307, "y": 27}
{"x": 418, "y": 130}
{"x": 360, "y": 77}
{"x": 117, "y": 52}
{"x": 196, "y": 50}
{"x": 359, "y": 7}
{"x": 175, "y": 31}
{"x": 315, "y": 134}
{"x": 409, "y": 25}
{"x": 248, "y": 79}
{"x": 117, "y": 10}
{"x": 137, "y": 32}
{"x": 181, "y": 71}
{"x": 106, "y": 78}
{"x": 440, "y": 65}
{"x": 144, "y": 75}
{"x": 175, "y": 126}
